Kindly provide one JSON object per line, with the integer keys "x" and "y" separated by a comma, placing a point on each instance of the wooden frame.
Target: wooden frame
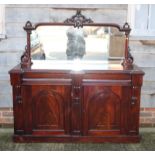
{"x": 78, "y": 20}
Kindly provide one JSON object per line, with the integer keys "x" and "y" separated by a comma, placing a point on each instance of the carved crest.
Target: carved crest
{"x": 78, "y": 20}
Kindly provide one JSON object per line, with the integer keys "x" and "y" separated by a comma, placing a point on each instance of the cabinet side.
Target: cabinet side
{"x": 134, "y": 110}
{"x": 15, "y": 78}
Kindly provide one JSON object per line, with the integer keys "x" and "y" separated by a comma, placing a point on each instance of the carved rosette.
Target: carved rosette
{"x": 78, "y": 20}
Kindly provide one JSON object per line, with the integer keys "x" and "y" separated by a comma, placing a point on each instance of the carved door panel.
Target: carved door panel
{"x": 102, "y": 110}
{"x": 49, "y": 106}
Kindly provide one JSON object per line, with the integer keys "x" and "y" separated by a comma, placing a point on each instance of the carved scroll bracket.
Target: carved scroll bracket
{"x": 128, "y": 61}
{"x": 26, "y": 57}
{"x": 78, "y": 20}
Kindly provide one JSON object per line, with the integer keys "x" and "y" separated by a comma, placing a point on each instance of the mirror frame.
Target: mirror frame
{"x": 78, "y": 20}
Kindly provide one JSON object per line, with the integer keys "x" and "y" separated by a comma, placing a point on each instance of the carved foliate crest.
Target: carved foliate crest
{"x": 78, "y": 20}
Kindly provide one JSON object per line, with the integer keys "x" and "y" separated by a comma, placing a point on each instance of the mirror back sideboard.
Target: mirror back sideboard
{"x": 76, "y": 101}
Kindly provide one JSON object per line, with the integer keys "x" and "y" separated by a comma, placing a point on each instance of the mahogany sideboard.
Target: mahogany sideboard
{"x": 89, "y": 105}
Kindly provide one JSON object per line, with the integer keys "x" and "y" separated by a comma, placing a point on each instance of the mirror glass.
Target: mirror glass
{"x": 92, "y": 43}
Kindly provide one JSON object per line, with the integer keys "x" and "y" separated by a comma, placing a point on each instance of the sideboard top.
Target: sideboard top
{"x": 78, "y": 67}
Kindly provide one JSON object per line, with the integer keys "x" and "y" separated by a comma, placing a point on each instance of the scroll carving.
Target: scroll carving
{"x": 78, "y": 20}
{"x": 128, "y": 62}
{"x": 25, "y": 58}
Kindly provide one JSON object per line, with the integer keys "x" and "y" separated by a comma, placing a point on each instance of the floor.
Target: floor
{"x": 147, "y": 143}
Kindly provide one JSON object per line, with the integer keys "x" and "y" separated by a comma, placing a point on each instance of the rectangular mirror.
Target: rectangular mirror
{"x": 89, "y": 43}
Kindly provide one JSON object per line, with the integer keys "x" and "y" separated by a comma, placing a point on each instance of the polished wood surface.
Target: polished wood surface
{"x": 55, "y": 101}
{"x": 76, "y": 106}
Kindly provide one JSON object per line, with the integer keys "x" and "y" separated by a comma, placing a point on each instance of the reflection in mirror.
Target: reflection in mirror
{"x": 68, "y": 43}
{"x": 116, "y": 44}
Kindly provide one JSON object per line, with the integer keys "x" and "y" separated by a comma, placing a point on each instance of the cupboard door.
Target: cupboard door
{"x": 48, "y": 107}
{"x": 102, "y": 110}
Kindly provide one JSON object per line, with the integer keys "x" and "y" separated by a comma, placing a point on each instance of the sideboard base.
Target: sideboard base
{"x": 77, "y": 139}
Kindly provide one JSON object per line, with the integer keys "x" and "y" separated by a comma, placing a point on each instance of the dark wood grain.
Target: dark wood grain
{"x": 83, "y": 106}
{"x": 102, "y": 109}
{"x": 67, "y": 106}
